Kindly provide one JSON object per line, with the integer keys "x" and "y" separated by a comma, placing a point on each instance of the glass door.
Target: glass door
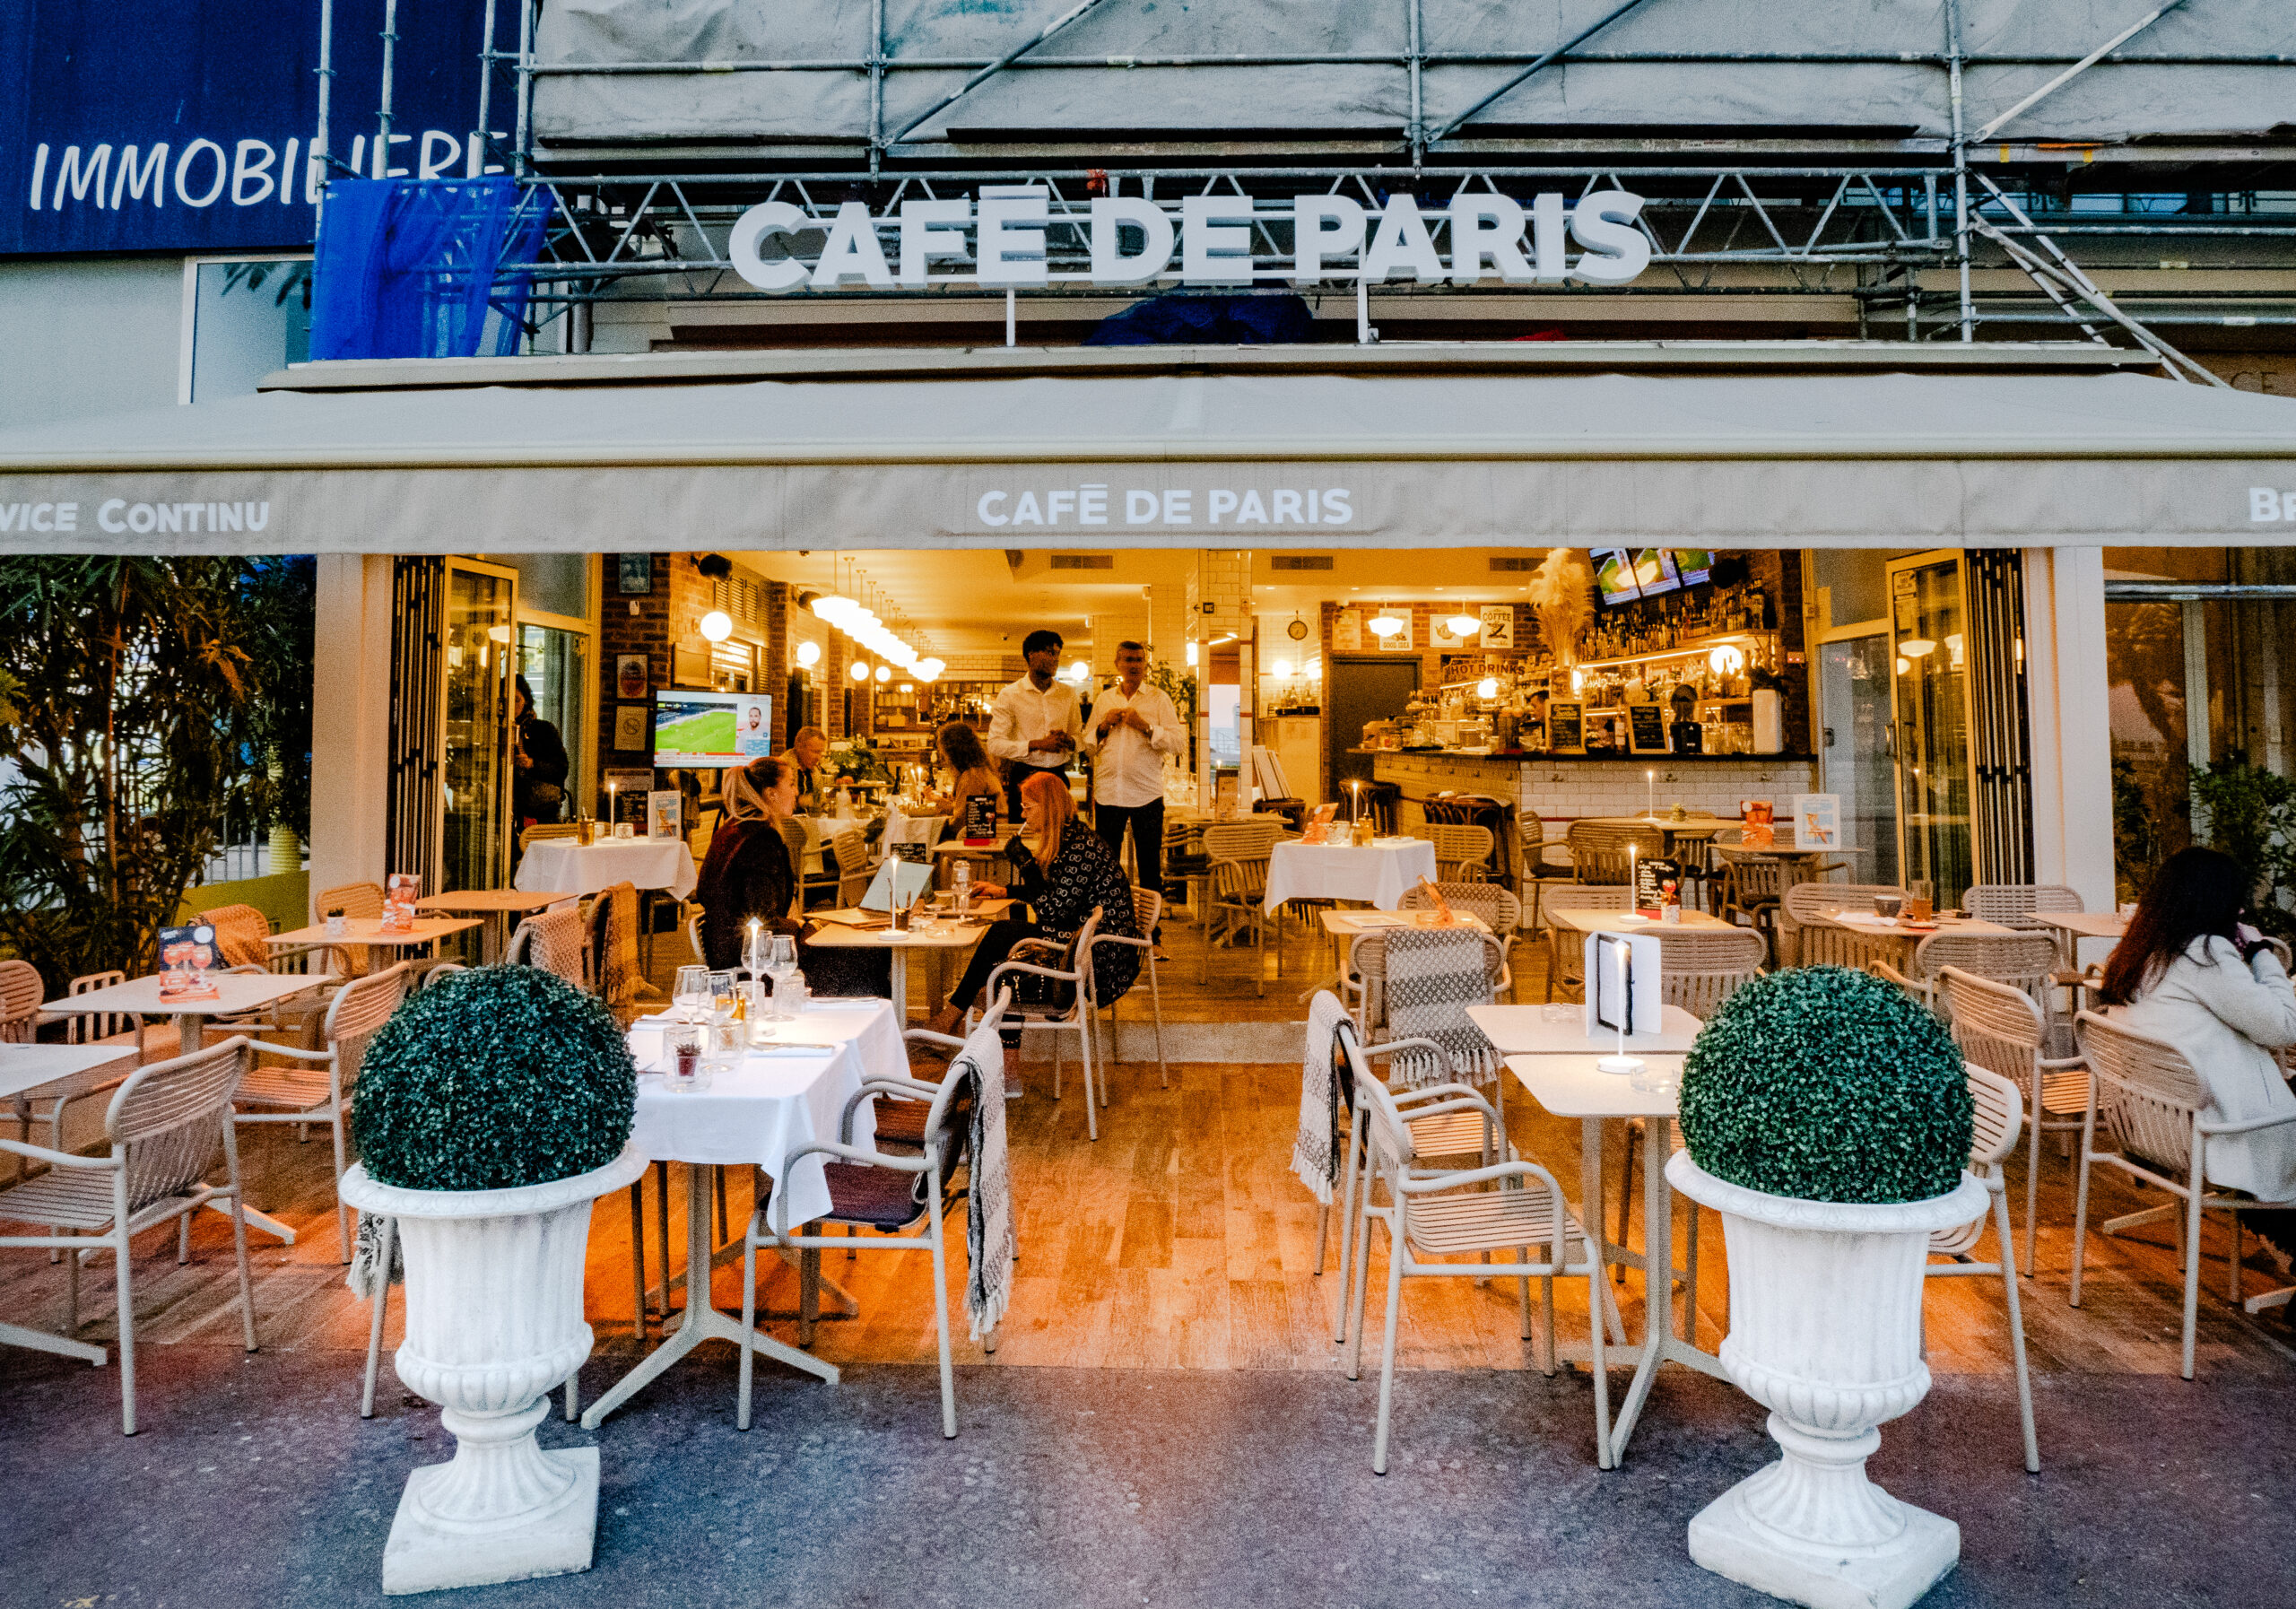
{"x": 1929, "y": 662}
{"x": 556, "y": 665}
{"x": 474, "y": 769}
{"x": 1859, "y": 749}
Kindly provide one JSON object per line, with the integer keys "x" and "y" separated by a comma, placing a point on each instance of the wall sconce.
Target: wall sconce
{"x": 717, "y": 625}
{"x": 809, "y": 655}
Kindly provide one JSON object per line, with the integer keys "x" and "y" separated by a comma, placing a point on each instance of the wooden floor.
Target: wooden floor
{"x": 1180, "y": 1240}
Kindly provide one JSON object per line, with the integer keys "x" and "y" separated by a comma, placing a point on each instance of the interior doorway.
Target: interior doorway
{"x": 1362, "y": 689}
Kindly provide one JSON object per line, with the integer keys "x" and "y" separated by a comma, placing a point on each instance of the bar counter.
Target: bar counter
{"x": 1561, "y": 787}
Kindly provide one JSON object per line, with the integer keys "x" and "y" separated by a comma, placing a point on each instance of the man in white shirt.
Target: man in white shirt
{"x": 1134, "y": 727}
{"x": 1035, "y": 723}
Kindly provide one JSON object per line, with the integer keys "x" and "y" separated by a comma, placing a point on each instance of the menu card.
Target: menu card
{"x": 980, "y": 818}
{"x": 665, "y": 813}
{"x": 1653, "y": 878}
{"x": 400, "y": 892}
{"x": 1817, "y": 821}
{"x": 1318, "y": 828}
{"x": 187, "y": 957}
{"x": 1755, "y": 814}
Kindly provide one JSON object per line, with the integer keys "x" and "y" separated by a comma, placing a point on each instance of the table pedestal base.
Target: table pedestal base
{"x": 703, "y": 1322}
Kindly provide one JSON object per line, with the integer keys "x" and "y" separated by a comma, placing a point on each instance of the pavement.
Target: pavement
{"x": 255, "y": 1482}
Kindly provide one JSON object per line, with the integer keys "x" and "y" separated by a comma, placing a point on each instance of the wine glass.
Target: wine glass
{"x": 691, "y": 993}
{"x": 780, "y": 965}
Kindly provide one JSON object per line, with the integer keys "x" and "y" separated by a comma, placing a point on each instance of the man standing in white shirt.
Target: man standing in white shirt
{"x": 1035, "y": 723}
{"x": 1134, "y": 727}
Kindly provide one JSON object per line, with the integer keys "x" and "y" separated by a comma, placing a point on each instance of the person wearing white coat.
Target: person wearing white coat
{"x": 2191, "y": 972}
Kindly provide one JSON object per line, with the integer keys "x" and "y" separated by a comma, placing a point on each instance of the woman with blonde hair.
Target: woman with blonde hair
{"x": 1069, "y": 874}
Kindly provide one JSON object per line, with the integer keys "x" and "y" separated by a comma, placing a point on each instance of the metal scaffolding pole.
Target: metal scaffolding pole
{"x": 1960, "y": 167}
{"x": 2078, "y": 68}
{"x": 319, "y": 156}
{"x": 1539, "y": 65}
{"x": 382, "y": 111}
{"x": 994, "y": 68}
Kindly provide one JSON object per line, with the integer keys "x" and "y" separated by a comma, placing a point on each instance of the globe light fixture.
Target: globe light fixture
{"x": 860, "y": 672}
{"x": 809, "y": 654}
{"x": 1917, "y": 648}
{"x": 1385, "y": 625}
{"x": 717, "y": 625}
{"x": 884, "y": 673}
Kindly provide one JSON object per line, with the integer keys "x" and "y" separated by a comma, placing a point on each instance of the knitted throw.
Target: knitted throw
{"x": 990, "y": 1248}
{"x": 1315, "y": 1154}
{"x": 1433, "y": 975}
{"x": 367, "y": 1257}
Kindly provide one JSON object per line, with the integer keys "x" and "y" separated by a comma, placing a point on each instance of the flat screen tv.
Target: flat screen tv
{"x": 711, "y": 729}
{"x": 1694, "y": 565}
{"x": 1615, "y": 575}
{"x": 1654, "y": 572}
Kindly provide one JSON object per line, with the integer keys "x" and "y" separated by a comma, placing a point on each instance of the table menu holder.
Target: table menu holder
{"x": 186, "y": 960}
{"x": 400, "y": 892}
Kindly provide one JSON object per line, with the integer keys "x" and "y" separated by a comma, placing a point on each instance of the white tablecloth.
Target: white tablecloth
{"x": 773, "y": 1102}
{"x": 563, "y": 865}
{"x": 1380, "y": 872}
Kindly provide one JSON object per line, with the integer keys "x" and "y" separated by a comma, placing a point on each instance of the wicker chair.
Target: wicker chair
{"x": 552, "y": 940}
{"x": 166, "y": 1123}
{"x": 2153, "y": 1102}
{"x": 1753, "y": 886}
{"x": 1462, "y": 852}
{"x": 1599, "y": 852}
{"x": 22, "y": 990}
{"x": 1235, "y": 875}
{"x": 1186, "y": 864}
{"x": 1993, "y": 1138}
{"x": 855, "y": 866}
{"x": 1500, "y": 910}
{"x": 2024, "y": 960}
{"x": 1564, "y": 954}
{"x": 1546, "y": 859}
{"x": 360, "y": 902}
{"x": 809, "y": 884}
{"x": 1804, "y": 939}
{"x": 2000, "y": 1027}
{"x": 542, "y": 829}
{"x": 2013, "y": 904}
{"x": 1056, "y": 964}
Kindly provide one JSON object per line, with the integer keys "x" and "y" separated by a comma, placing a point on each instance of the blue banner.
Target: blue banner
{"x": 189, "y": 125}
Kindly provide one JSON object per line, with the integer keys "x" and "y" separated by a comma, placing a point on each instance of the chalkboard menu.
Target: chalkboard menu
{"x": 1566, "y": 728}
{"x": 1646, "y": 727}
{"x": 980, "y": 818}
{"x": 1650, "y": 878}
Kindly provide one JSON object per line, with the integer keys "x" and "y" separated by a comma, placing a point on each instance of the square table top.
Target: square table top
{"x": 1874, "y": 927}
{"x": 235, "y": 992}
{"x": 2088, "y": 924}
{"x": 1571, "y": 1086}
{"x": 24, "y": 1068}
{"x": 1525, "y": 1030}
{"x": 367, "y": 930}
{"x": 1348, "y": 923}
{"x": 1621, "y": 921}
{"x": 831, "y": 934}
{"x": 491, "y": 900}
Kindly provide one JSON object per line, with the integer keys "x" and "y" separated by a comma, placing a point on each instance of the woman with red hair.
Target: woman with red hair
{"x": 1069, "y": 874}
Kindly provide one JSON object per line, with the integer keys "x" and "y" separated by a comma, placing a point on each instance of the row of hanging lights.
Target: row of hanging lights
{"x": 860, "y": 623}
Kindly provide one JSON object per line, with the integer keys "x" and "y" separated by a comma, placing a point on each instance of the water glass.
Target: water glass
{"x": 722, "y": 1046}
{"x": 691, "y": 993}
{"x": 721, "y": 991}
{"x": 789, "y": 995}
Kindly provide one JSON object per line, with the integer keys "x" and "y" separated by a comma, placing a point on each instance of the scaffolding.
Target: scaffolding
{"x": 1879, "y": 215}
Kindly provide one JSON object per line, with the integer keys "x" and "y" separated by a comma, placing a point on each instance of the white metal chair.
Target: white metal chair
{"x": 2152, "y": 1099}
{"x": 1236, "y": 854}
{"x": 165, "y": 1123}
{"x": 320, "y": 1089}
{"x": 882, "y": 1191}
{"x": 2003, "y": 1029}
{"x": 1565, "y": 951}
{"x": 81, "y": 1028}
{"x": 1992, "y": 1141}
{"x": 1429, "y": 1215}
{"x": 1072, "y": 1016}
{"x": 1147, "y": 909}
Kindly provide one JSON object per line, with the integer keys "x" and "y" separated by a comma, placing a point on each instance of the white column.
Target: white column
{"x": 351, "y": 720}
{"x": 2070, "y": 725}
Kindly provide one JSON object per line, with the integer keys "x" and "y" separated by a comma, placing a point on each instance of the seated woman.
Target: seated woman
{"x": 961, "y": 750}
{"x": 1070, "y": 875}
{"x": 2191, "y": 972}
{"x": 747, "y": 875}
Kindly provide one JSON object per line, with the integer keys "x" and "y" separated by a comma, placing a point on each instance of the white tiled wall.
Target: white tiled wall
{"x": 1564, "y": 791}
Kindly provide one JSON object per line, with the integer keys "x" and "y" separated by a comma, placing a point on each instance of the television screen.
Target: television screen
{"x": 1614, "y": 575}
{"x": 1694, "y": 565}
{"x": 1654, "y": 572}
{"x": 699, "y": 729}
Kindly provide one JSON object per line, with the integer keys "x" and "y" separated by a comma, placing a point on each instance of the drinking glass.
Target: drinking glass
{"x": 781, "y": 966}
{"x": 685, "y": 1058}
{"x": 691, "y": 993}
{"x": 721, "y": 991}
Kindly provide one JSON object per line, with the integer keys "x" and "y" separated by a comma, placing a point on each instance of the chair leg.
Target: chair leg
{"x": 1093, "y": 1099}
{"x": 809, "y": 1289}
{"x": 2080, "y": 1211}
{"x": 342, "y": 1211}
{"x": 183, "y": 1241}
{"x": 662, "y": 1242}
{"x": 2005, "y": 1235}
{"x": 377, "y": 1306}
{"x": 637, "y": 1260}
{"x": 1323, "y": 1232}
{"x": 1156, "y": 1000}
{"x": 1344, "y": 1200}
{"x": 1362, "y": 1275}
{"x": 2192, "y": 1269}
{"x": 749, "y": 1322}
{"x": 240, "y": 1254}
{"x": 1597, "y": 1296}
{"x": 1523, "y": 1255}
{"x": 126, "y": 1299}
{"x": 1546, "y": 1324}
{"x": 1388, "y": 1350}
{"x": 941, "y": 1317}
{"x": 2232, "y": 1263}
{"x": 2033, "y": 1176}
{"x": 1626, "y": 1208}
{"x": 718, "y": 1177}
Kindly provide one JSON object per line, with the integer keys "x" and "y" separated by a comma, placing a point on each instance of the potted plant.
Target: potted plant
{"x": 493, "y": 1108}
{"x": 1828, "y": 1120}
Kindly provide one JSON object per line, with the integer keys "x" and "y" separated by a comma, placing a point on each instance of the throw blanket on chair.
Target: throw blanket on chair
{"x": 1315, "y": 1154}
{"x": 1433, "y": 975}
{"x": 367, "y": 1256}
{"x": 990, "y": 1248}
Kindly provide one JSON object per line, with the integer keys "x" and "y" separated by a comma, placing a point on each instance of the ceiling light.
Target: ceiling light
{"x": 717, "y": 625}
{"x": 1079, "y": 671}
{"x": 1464, "y": 625}
{"x": 929, "y": 669}
{"x": 498, "y": 633}
{"x": 1386, "y": 624}
{"x": 1917, "y": 648}
{"x": 860, "y": 672}
{"x": 809, "y": 654}
{"x": 1726, "y": 661}
{"x": 884, "y": 673}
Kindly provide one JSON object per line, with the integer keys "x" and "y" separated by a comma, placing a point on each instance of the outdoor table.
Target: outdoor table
{"x": 779, "y": 1099}
{"x": 2071, "y": 927}
{"x": 1571, "y": 1086}
{"x": 985, "y": 858}
{"x": 495, "y": 907}
{"x": 1852, "y": 938}
{"x": 1377, "y": 873}
{"x": 1532, "y": 1030}
{"x": 361, "y": 933}
{"x": 643, "y": 862}
{"x": 861, "y": 930}
{"x": 1624, "y": 921}
{"x": 30, "y": 1071}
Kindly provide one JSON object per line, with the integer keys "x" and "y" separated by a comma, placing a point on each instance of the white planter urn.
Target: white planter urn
{"x": 1825, "y": 1332}
{"x": 493, "y": 1322}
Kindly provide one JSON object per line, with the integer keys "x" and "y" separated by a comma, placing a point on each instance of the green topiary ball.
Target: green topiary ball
{"x": 1827, "y": 1084}
{"x": 493, "y": 1078}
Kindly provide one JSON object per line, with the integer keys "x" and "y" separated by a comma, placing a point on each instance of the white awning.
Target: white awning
{"x": 1174, "y": 448}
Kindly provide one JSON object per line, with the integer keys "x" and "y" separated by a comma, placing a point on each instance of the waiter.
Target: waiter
{"x": 1134, "y": 727}
{"x": 1034, "y": 725}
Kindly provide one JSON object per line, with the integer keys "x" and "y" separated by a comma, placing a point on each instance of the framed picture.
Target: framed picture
{"x": 630, "y": 726}
{"x": 1499, "y": 625}
{"x": 632, "y": 675}
{"x": 635, "y": 573}
{"x": 1347, "y": 631}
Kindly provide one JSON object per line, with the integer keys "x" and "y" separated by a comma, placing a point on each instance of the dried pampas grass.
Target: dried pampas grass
{"x": 1562, "y": 602}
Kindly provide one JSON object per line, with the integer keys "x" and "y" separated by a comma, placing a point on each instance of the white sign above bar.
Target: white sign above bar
{"x": 1004, "y": 236}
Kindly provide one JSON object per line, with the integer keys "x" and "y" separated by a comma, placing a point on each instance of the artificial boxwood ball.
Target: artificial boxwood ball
{"x": 493, "y": 1078}
{"x": 1829, "y": 1085}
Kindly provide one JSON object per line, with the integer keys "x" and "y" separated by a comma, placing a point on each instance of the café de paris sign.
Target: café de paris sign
{"x": 1003, "y": 232}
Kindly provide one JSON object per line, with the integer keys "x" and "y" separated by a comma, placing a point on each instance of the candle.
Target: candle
{"x": 1633, "y": 888}
{"x": 1624, "y": 983}
{"x": 1650, "y": 792}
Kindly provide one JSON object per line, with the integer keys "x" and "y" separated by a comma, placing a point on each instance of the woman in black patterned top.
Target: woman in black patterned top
{"x": 1070, "y": 875}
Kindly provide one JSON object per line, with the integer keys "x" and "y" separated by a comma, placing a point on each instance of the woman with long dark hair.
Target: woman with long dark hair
{"x": 2193, "y": 972}
{"x": 968, "y": 764}
{"x": 747, "y": 875}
